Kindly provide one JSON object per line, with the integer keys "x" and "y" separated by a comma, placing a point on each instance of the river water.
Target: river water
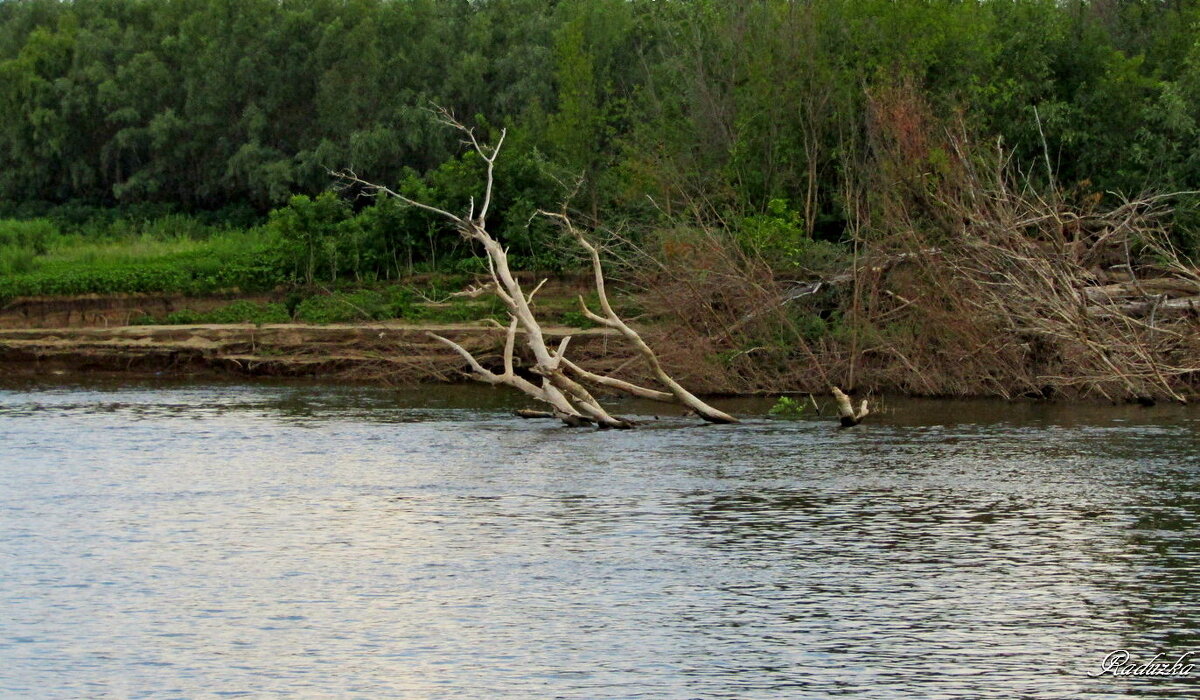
{"x": 199, "y": 540}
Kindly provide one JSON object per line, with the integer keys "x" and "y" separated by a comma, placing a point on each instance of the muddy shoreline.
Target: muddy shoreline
{"x": 53, "y": 337}
{"x": 391, "y": 352}
{"x": 99, "y": 333}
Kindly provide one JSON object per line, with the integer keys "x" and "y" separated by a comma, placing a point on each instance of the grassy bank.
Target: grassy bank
{"x": 936, "y": 295}
{"x": 174, "y": 254}
{"x": 309, "y": 270}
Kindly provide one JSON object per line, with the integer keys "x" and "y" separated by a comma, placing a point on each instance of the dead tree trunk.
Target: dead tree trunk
{"x": 569, "y": 400}
{"x": 846, "y": 412}
{"x": 610, "y": 319}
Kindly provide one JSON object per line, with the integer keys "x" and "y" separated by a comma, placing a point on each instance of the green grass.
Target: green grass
{"x": 36, "y": 260}
{"x": 237, "y": 312}
{"x": 395, "y": 302}
{"x": 176, "y": 254}
{"x": 21, "y": 242}
{"x": 357, "y": 305}
{"x": 347, "y": 306}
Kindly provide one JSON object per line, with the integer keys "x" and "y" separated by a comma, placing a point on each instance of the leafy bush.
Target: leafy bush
{"x": 312, "y": 231}
{"x": 787, "y": 407}
{"x": 15, "y": 260}
{"x": 183, "y": 317}
{"x": 35, "y": 235}
{"x": 779, "y": 237}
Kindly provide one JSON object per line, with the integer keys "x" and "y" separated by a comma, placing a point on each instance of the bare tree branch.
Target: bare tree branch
{"x": 612, "y": 320}
{"x": 570, "y": 401}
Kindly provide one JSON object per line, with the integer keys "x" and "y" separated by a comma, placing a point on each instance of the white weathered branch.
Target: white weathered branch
{"x": 546, "y": 394}
{"x": 619, "y": 384}
{"x": 570, "y": 401}
{"x": 373, "y": 189}
{"x": 475, "y": 291}
{"x": 846, "y": 412}
{"x": 611, "y": 319}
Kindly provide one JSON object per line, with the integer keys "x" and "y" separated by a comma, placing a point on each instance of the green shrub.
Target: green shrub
{"x": 15, "y": 260}
{"x": 183, "y": 317}
{"x": 787, "y": 407}
{"x": 315, "y": 232}
{"x": 34, "y": 236}
{"x": 779, "y": 237}
{"x": 811, "y": 326}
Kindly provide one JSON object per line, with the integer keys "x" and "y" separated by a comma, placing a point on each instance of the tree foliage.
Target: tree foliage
{"x": 711, "y": 108}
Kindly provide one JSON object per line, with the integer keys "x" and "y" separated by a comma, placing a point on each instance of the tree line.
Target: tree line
{"x": 730, "y": 112}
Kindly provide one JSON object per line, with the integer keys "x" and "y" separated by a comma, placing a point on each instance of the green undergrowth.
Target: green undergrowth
{"x": 403, "y": 303}
{"x": 36, "y": 259}
{"x": 237, "y": 312}
{"x": 182, "y": 256}
{"x": 386, "y": 303}
{"x": 177, "y": 254}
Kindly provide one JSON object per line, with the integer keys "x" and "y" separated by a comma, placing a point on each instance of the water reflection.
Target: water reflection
{"x": 184, "y": 540}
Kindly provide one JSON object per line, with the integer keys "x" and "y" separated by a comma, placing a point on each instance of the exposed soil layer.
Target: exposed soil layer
{"x": 107, "y": 310}
{"x": 387, "y": 351}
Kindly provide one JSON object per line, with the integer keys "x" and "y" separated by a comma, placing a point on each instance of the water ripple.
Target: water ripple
{"x": 316, "y": 541}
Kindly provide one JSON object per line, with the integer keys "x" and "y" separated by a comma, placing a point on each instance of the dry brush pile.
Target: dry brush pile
{"x": 964, "y": 280}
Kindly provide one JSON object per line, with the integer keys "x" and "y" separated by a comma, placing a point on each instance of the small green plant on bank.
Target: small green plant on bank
{"x": 576, "y": 319}
{"x": 787, "y": 407}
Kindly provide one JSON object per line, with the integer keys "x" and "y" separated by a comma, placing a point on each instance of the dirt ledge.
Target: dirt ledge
{"x": 393, "y": 352}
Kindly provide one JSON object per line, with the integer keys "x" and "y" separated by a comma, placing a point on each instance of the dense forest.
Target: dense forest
{"x": 807, "y": 135}
{"x": 203, "y": 104}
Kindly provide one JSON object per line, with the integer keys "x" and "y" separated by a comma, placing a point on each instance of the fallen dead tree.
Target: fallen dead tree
{"x": 1033, "y": 290}
{"x": 964, "y": 276}
{"x": 847, "y": 413}
{"x": 556, "y": 380}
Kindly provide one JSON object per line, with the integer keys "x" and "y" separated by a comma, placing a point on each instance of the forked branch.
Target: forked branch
{"x": 846, "y": 411}
{"x": 569, "y": 400}
{"x": 610, "y": 319}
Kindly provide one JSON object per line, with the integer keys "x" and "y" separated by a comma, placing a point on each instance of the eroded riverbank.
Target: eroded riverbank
{"x": 391, "y": 352}
{"x": 56, "y": 336}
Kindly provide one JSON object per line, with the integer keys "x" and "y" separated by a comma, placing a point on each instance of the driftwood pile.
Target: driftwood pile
{"x": 1126, "y": 294}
